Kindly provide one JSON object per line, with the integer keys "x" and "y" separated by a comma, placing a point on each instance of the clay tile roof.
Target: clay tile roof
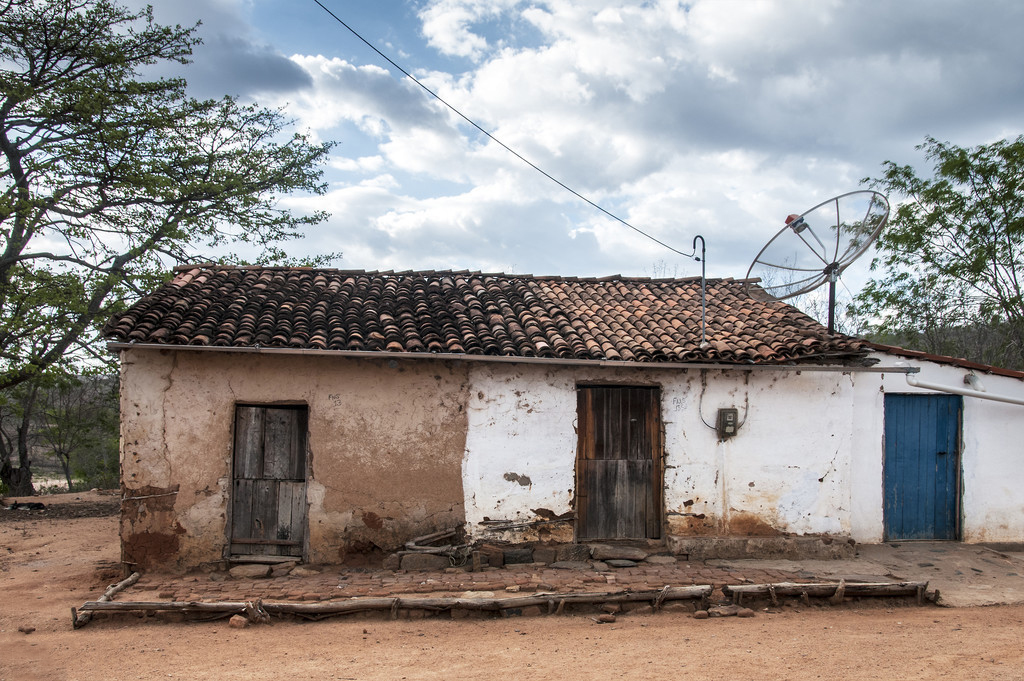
{"x": 611, "y": 318}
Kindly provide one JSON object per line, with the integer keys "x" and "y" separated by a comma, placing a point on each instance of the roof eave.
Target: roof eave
{"x": 844, "y": 363}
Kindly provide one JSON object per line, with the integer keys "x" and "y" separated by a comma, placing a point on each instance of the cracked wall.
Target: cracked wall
{"x": 785, "y": 472}
{"x": 386, "y": 440}
{"x": 404, "y": 448}
{"x": 992, "y": 477}
{"x": 807, "y": 460}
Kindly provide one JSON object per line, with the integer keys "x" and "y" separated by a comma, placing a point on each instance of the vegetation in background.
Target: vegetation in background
{"x": 79, "y": 425}
{"x": 70, "y": 422}
{"x": 952, "y": 256}
{"x": 107, "y": 179}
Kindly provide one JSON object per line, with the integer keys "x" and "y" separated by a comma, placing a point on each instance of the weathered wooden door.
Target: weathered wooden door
{"x": 922, "y": 467}
{"x": 268, "y": 507}
{"x": 618, "y": 463}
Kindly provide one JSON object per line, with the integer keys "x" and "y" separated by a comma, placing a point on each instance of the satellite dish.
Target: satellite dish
{"x": 818, "y": 245}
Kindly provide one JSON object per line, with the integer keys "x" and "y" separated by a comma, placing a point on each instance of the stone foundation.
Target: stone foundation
{"x": 483, "y": 555}
{"x": 775, "y": 548}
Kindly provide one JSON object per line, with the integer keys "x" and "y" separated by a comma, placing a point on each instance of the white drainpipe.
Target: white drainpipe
{"x": 913, "y": 380}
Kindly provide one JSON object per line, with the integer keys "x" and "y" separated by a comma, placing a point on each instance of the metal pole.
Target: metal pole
{"x": 831, "y": 305}
{"x": 833, "y": 276}
{"x": 703, "y": 279}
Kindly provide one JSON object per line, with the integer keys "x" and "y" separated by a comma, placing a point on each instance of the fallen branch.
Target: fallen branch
{"x": 503, "y": 525}
{"x": 840, "y": 593}
{"x": 78, "y": 621}
{"x": 393, "y": 604}
{"x": 420, "y": 545}
{"x": 833, "y": 591}
{"x": 417, "y": 542}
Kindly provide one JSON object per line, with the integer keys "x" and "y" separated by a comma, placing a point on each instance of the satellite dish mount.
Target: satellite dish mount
{"x": 817, "y": 245}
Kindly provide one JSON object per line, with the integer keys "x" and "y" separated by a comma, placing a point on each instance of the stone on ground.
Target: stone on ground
{"x": 610, "y": 551}
{"x": 620, "y": 562}
{"x": 517, "y": 556}
{"x": 250, "y": 571}
{"x": 424, "y": 561}
{"x": 304, "y": 571}
{"x": 573, "y": 553}
{"x": 571, "y": 565}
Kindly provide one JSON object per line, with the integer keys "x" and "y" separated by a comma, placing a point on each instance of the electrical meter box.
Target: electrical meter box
{"x": 728, "y": 422}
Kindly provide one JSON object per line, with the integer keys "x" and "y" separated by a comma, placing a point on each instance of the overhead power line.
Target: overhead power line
{"x": 499, "y": 142}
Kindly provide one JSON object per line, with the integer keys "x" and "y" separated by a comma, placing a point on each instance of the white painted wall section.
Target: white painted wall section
{"x": 520, "y": 444}
{"x": 808, "y": 458}
{"x": 992, "y": 456}
{"x": 787, "y": 470}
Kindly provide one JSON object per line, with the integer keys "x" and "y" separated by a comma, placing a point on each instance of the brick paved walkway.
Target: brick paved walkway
{"x": 334, "y": 583}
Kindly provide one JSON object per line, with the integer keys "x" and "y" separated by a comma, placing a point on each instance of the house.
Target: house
{"x": 316, "y": 414}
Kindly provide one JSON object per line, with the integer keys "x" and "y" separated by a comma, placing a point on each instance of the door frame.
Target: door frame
{"x": 307, "y": 465}
{"x": 957, "y": 493}
{"x": 657, "y": 477}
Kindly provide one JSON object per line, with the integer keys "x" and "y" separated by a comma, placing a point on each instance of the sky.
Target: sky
{"x": 715, "y": 118}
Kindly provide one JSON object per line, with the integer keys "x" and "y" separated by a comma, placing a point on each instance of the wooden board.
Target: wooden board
{"x": 249, "y": 442}
{"x": 268, "y": 507}
{"x": 618, "y": 472}
{"x": 283, "y": 457}
{"x": 625, "y": 490}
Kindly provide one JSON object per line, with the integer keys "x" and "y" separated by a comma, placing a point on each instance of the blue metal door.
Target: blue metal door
{"x": 922, "y": 466}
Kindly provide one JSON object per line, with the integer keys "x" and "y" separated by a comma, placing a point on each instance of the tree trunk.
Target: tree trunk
{"x": 65, "y": 464}
{"x": 17, "y": 480}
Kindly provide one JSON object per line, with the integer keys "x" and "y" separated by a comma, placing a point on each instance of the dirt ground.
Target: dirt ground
{"x": 55, "y": 559}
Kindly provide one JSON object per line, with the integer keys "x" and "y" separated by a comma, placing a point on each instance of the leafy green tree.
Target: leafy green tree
{"x": 952, "y": 256}
{"x": 107, "y": 178}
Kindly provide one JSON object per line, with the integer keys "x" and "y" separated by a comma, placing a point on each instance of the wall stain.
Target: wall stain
{"x": 516, "y": 477}
{"x": 372, "y": 520}
{"x": 742, "y": 523}
{"x": 548, "y": 514}
{"x": 150, "y": 533}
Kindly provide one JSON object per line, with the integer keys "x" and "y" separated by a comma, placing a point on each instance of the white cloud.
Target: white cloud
{"x": 365, "y": 164}
{"x": 711, "y": 117}
{"x": 448, "y": 25}
{"x": 368, "y": 96}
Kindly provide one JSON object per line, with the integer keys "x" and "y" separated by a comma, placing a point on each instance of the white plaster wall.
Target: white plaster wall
{"x": 868, "y": 452}
{"x": 786, "y": 471}
{"x": 520, "y": 444}
{"x": 992, "y": 456}
{"x": 807, "y": 459}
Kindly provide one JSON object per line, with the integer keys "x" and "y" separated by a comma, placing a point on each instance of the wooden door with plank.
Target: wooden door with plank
{"x": 268, "y": 506}
{"x": 618, "y": 463}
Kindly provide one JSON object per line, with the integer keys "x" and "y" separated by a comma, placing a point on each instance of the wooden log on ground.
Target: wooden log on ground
{"x": 826, "y": 590}
{"x": 840, "y": 593}
{"x": 78, "y": 621}
{"x": 393, "y": 604}
{"x": 420, "y": 543}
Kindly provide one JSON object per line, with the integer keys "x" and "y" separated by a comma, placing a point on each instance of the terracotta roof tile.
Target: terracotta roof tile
{"x": 612, "y": 318}
{"x": 944, "y": 359}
